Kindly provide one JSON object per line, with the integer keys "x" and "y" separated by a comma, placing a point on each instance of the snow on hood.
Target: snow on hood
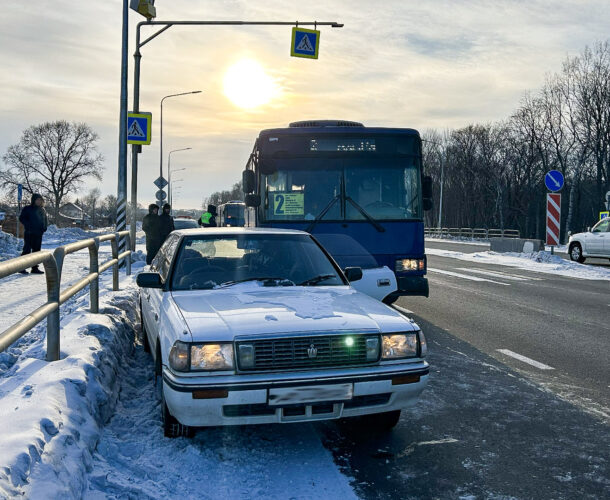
{"x": 249, "y": 309}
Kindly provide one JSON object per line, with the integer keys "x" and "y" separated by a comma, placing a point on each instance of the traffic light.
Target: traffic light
{"x": 144, "y": 7}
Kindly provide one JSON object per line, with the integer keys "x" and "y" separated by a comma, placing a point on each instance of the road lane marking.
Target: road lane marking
{"x": 498, "y": 274}
{"x": 465, "y": 276}
{"x": 525, "y": 359}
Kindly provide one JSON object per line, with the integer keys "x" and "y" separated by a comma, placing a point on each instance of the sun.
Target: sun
{"x": 247, "y": 85}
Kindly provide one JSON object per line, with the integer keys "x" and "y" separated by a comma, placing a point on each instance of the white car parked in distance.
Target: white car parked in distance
{"x": 250, "y": 326}
{"x": 593, "y": 243}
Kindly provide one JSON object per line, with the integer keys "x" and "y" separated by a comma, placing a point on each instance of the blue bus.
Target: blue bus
{"x": 231, "y": 214}
{"x": 359, "y": 190}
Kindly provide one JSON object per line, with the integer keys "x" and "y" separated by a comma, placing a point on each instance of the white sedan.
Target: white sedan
{"x": 250, "y": 326}
{"x": 593, "y": 243}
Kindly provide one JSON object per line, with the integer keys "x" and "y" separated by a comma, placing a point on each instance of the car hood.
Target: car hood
{"x": 251, "y": 309}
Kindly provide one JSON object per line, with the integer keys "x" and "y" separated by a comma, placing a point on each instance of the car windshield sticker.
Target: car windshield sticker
{"x": 288, "y": 204}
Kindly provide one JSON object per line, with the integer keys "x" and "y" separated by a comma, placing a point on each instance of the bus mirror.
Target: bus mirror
{"x": 253, "y": 200}
{"x": 427, "y": 192}
{"x": 248, "y": 181}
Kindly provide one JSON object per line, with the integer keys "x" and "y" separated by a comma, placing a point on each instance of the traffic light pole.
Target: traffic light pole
{"x": 165, "y": 25}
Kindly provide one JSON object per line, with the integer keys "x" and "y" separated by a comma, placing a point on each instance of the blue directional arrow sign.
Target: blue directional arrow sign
{"x": 305, "y": 43}
{"x": 138, "y": 128}
{"x": 553, "y": 180}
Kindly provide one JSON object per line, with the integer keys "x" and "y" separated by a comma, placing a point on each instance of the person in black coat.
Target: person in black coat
{"x": 35, "y": 221}
{"x": 152, "y": 227}
{"x": 166, "y": 222}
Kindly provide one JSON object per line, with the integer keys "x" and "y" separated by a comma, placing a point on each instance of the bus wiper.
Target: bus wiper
{"x": 267, "y": 281}
{"x": 317, "y": 279}
{"x": 322, "y": 213}
{"x": 377, "y": 226}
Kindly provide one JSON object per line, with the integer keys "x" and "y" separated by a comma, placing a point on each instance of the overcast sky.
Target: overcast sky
{"x": 401, "y": 63}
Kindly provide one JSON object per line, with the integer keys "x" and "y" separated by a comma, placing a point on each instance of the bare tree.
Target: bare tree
{"x": 54, "y": 159}
{"x": 91, "y": 203}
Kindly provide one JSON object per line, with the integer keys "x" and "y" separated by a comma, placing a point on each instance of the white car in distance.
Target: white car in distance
{"x": 593, "y": 243}
{"x": 250, "y": 326}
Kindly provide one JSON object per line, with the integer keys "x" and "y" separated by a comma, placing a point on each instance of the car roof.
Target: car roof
{"x": 223, "y": 231}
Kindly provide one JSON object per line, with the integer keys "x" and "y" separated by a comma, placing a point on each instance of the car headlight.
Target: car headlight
{"x": 212, "y": 357}
{"x": 402, "y": 265}
{"x": 399, "y": 346}
{"x": 179, "y": 356}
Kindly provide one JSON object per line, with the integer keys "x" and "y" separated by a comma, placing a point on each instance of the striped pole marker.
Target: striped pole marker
{"x": 553, "y": 218}
{"x": 121, "y": 221}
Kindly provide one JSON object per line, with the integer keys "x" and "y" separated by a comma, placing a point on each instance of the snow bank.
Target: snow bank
{"x": 62, "y": 235}
{"x": 10, "y": 246}
{"x": 540, "y": 262}
{"x": 55, "y": 411}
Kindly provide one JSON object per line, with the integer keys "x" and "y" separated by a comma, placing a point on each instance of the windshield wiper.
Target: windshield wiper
{"x": 377, "y": 226}
{"x": 317, "y": 279}
{"x": 267, "y": 281}
{"x": 322, "y": 213}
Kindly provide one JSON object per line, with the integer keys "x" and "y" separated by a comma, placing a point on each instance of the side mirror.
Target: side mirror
{"x": 149, "y": 280}
{"x": 353, "y": 273}
{"x": 253, "y": 200}
{"x": 248, "y": 181}
{"x": 427, "y": 192}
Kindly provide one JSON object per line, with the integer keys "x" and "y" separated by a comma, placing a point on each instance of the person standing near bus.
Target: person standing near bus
{"x": 208, "y": 219}
{"x": 166, "y": 222}
{"x": 35, "y": 221}
{"x": 151, "y": 225}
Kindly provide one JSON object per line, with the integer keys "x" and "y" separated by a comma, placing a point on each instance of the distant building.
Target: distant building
{"x": 72, "y": 211}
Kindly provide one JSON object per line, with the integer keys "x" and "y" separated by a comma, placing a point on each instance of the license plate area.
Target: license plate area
{"x": 310, "y": 394}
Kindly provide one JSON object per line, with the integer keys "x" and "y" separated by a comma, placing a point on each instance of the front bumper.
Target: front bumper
{"x": 375, "y": 389}
{"x": 409, "y": 286}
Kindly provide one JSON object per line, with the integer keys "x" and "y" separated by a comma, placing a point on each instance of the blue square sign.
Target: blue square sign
{"x": 305, "y": 43}
{"x": 138, "y": 128}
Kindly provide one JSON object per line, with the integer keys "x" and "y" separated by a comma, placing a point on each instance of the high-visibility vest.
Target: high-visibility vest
{"x": 205, "y": 217}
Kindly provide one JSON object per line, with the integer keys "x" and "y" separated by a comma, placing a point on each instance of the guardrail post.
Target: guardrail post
{"x": 94, "y": 286}
{"x": 114, "y": 245}
{"x": 53, "y": 275}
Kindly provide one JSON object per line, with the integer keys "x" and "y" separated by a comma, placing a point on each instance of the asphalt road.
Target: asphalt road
{"x": 492, "y": 424}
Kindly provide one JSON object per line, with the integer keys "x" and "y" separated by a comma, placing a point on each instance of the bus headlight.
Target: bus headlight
{"x": 402, "y": 265}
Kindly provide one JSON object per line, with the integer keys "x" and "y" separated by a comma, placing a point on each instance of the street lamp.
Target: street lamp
{"x": 171, "y": 190}
{"x": 161, "y": 127}
{"x": 169, "y": 172}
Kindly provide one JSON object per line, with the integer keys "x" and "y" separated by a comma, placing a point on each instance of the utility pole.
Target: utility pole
{"x": 121, "y": 216}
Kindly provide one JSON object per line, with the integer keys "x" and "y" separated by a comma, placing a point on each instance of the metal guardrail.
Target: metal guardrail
{"x": 474, "y": 233}
{"x": 53, "y": 265}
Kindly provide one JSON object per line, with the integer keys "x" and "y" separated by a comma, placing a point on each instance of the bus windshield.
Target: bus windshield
{"x": 385, "y": 189}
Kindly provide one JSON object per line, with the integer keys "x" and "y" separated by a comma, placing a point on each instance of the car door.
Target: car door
{"x": 154, "y": 296}
{"x": 606, "y": 237}
{"x": 595, "y": 241}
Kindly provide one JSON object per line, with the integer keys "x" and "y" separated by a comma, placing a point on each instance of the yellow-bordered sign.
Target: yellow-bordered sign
{"x": 139, "y": 127}
{"x": 305, "y": 43}
{"x": 603, "y": 215}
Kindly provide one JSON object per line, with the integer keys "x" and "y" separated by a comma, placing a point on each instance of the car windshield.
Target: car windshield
{"x": 207, "y": 262}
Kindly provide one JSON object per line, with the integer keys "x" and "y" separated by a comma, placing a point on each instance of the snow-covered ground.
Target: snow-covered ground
{"x": 540, "y": 262}
{"x": 90, "y": 426}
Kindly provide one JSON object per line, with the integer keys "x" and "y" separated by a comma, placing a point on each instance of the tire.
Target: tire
{"x": 145, "y": 343}
{"x": 576, "y": 253}
{"x": 171, "y": 427}
{"x": 389, "y": 299}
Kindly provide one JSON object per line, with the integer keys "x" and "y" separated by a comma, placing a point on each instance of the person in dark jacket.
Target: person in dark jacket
{"x": 208, "y": 219}
{"x": 35, "y": 221}
{"x": 152, "y": 227}
{"x": 166, "y": 222}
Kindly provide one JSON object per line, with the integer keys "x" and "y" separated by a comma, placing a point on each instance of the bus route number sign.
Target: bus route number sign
{"x": 288, "y": 204}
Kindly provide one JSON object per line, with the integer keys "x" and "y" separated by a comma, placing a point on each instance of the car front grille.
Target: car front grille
{"x": 308, "y": 352}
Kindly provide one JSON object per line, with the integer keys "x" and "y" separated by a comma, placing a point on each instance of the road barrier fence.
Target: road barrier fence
{"x": 53, "y": 266}
{"x": 472, "y": 233}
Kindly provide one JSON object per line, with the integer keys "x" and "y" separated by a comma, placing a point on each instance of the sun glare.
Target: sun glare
{"x": 247, "y": 85}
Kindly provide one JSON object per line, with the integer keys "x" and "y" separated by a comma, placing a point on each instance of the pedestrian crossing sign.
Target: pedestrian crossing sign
{"x": 603, "y": 215}
{"x": 138, "y": 127}
{"x": 305, "y": 43}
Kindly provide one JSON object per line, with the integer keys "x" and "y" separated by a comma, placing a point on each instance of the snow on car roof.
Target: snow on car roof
{"x": 237, "y": 230}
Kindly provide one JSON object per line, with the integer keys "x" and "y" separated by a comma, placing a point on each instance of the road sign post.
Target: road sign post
{"x": 553, "y": 219}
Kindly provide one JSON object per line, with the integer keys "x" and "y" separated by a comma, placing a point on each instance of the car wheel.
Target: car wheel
{"x": 145, "y": 343}
{"x": 171, "y": 427}
{"x": 576, "y": 253}
{"x": 390, "y": 299}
